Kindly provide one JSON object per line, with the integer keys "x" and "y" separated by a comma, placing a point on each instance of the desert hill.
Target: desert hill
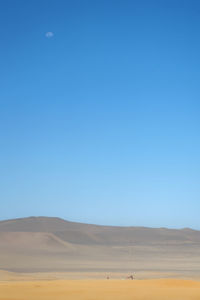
{"x": 52, "y": 244}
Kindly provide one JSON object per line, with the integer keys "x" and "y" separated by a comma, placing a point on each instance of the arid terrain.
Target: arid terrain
{"x": 74, "y": 250}
{"x": 101, "y": 289}
{"x": 50, "y": 258}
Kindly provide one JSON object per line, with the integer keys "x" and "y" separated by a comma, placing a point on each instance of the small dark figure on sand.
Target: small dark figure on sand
{"x": 130, "y": 277}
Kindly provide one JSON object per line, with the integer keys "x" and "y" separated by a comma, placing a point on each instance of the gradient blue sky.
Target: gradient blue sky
{"x": 101, "y": 122}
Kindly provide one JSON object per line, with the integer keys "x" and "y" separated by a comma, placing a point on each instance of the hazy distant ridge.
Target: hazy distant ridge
{"x": 42, "y": 243}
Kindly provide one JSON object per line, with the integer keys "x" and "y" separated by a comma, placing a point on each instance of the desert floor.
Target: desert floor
{"x": 158, "y": 289}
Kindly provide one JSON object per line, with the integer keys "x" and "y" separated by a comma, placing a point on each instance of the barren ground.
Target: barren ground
{"x": 164, "y": 289}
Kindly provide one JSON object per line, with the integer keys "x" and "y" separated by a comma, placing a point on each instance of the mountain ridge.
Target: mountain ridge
{"x": 41, "y": 244}
{"x": 47, "y": 218}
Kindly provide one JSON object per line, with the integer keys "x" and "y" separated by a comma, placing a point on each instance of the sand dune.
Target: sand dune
{"x": 41, "y": 244}
{"x": 101, "y": 289}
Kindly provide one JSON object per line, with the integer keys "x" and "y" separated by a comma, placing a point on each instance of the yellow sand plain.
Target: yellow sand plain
{"x": 161, "y": 289}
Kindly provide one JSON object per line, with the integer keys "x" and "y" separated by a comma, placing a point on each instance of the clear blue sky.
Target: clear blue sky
{"x": 100, "y": 122}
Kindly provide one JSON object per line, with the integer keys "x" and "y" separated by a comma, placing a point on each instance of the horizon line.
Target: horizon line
{"x": 101, "y": 225}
